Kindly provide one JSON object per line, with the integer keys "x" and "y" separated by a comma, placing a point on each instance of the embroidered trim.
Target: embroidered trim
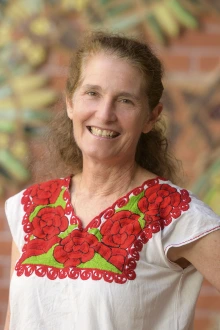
{"x": 109, "y": 248}
{"x": 52, "y": 273}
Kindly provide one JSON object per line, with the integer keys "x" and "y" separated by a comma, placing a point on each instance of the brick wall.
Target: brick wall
{"x": 195, "y": 57}
{"x": 195, "y": 52}
{"x": 192, "y": 57}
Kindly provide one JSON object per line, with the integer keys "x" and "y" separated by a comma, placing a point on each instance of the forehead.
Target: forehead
{"x": 109, "y": 69}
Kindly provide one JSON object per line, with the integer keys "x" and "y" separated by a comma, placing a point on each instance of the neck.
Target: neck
{"x": 103, "y": 180}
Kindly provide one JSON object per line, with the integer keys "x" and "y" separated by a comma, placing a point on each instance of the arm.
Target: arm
{"x": 203, "y": 254}
{"x": 14, "y": 257}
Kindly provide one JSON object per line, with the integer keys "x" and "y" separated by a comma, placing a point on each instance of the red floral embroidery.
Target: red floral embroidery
{"x": 76, "y": 248}
{"x": 49, "y": 222}
{"x": 116, "y": 256}
{"x": 163, "y": 202}
{"x": 46, "y": 193}
{"x": 72, "y": 272}
{"x": 121, "y": 229}
{"x": 37, "y": 247}
{"x": 43, "y": 194}
{"x": 120, "y": 237}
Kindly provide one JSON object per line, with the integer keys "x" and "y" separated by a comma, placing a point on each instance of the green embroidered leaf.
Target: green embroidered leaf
{"x": 141, "y": 221}
{"x": 59, "y": 202}
{"x": 35, "y": 212}
{"x": 100, "y": 263}
{"x": 44, "y": 259}
{"x": 32, "y": 237}
{"x": 96, "y": 232}
{"x": 132, "y": 204}
{"x": 68, "y": 231}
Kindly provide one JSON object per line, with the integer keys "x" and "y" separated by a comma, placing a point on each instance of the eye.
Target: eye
{"x": 125, "y": 101}
{"x": 90, "y": 93}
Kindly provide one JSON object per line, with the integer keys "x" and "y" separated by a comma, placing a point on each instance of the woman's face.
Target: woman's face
{"x": 109, "y": 109}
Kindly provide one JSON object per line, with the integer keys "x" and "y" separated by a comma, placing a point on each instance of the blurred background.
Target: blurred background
{"x": 37, "y": 38}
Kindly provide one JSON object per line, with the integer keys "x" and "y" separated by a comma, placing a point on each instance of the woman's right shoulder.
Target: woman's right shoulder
{"x": 37, "y": 196}
{"x": 40, "y": 191}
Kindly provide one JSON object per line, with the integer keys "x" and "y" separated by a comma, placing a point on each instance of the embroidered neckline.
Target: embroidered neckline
{"x": 109, "y": 246}
{"x": 93, "y": 223}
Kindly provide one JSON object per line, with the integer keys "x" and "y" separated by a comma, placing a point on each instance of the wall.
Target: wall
{"x": 193, "y": 57}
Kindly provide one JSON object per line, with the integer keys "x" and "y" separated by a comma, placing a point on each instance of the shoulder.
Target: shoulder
{"x": 165, "y": 202}
{"x": 196, "y": 205}
{"x": 184, "y": 195}
{"x": 168, "y": 198}
{"x": 42, "y": 193}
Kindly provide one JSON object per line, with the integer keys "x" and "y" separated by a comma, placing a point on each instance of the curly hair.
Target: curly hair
{"x": 152, "y": 151}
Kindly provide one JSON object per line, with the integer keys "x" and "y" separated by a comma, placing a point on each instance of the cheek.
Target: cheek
{"x": 79, "y": 123}
{"x": 136, "y": 122}
{"x": 83, "y": 109}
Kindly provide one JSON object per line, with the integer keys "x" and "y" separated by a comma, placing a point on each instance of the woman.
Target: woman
{"x": 116, "y": 245}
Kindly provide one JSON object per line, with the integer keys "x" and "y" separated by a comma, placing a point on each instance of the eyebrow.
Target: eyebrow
{"x": 130, "y": 95}
{"x": 122, "y": 93}
{"x": 91, "y": 86}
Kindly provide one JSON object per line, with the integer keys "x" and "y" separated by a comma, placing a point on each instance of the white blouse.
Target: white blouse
{"x": 112, "y": 275}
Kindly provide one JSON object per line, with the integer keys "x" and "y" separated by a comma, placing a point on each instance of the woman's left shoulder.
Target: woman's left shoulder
{"x": 196, "y": 205}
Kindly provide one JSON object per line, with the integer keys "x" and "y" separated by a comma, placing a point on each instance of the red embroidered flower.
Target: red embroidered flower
{"x": 49, "y": 222}
{"x": 37, "y": 246}
{"x": 121, "y": 229}
{"x": 76, "y": 248}
{"x": 46, "y": 193}
{"x": 116, "y": 256}
{"x": 162, "y": 201}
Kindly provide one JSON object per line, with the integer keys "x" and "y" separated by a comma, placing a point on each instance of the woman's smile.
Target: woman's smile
{"x": 104, "y": 133}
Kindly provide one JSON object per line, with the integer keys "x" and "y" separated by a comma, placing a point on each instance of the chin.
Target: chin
{"x": 98, "y": 155}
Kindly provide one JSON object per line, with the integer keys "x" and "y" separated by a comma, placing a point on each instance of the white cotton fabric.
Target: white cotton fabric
{"x": 162, "y": 297}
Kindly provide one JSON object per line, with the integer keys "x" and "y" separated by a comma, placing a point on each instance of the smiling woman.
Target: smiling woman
{"x": 152, "y": 152}
{"x": 115, "y": 244}
{"x": 106, "y": 124}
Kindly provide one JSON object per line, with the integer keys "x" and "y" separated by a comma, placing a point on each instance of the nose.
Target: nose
{"x": 106, "y": 111}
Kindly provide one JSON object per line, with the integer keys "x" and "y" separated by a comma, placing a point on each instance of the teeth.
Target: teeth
{"x": 104, "y": 133}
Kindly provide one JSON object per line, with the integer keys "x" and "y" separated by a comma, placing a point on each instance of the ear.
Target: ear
{"x": 152, "y": 118}
{"x": 69, "y": 107}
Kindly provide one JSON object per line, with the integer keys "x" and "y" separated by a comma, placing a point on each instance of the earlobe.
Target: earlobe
{"x": 69, "y": 108}
{"x": 151, "y": 120}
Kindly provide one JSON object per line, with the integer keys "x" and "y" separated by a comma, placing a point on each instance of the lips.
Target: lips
{"x": 109, "y": 134}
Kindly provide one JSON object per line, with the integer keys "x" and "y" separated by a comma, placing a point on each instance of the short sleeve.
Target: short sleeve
{"x": 14, "y": 213}
{"x": 199, "y": 220}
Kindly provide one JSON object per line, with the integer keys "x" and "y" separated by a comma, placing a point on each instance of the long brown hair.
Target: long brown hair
{"x": 152, "y": 150}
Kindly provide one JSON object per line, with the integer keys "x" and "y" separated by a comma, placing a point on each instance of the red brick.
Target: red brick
{"x": 58, "y": 58}
{"x": 5, "y": 248}
{"x": 2, "y": 224}
{"x": 59, "y": 83}
{"x": 63, "y": 59}
{"x": 175, "y": 62}
{"x": 209, "y": 63}
{"x": 2, "y": 315}
{"x": 5, "y": 271}
{"x": 4, "y": 227}
{"x": 4, "y": 295}
{"x": 202, "y": 324}
{"x": 198, "y": 38}
{"x": 204, "y": 303}
{"x": 213, "y": 19}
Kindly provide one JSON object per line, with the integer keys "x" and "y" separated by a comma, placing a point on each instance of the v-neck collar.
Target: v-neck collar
{"x": 94, "y": 223}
